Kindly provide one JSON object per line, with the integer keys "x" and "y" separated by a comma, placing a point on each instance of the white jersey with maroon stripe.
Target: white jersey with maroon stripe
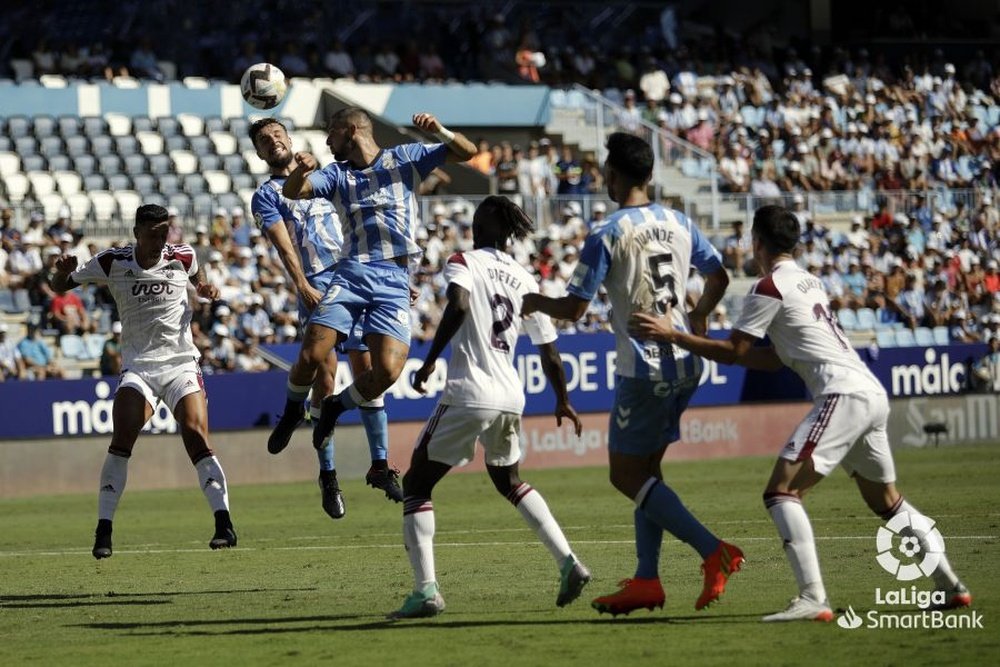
{"x": 791, "y": 307}
{"x": 153, "y": 303}
{"x": 481, "y": 371}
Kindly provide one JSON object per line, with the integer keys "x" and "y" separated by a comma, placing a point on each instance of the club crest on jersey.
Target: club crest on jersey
{"x": 258, "y": 220}
{"x": 129, "y": 273}
{"x": 388, "y": 161}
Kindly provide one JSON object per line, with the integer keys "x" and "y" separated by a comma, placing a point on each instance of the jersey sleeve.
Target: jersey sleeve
{"x": 325, "y": 181}
{"x": 425, "y": 157}
{"x": 264, "y": 208}
{"x": 456, "y": 271}
{"x": 595, "y": 260}
{"x": 704, "y": 256}
{"x": 760, "y": 308}
{"x": 96, "y": 271}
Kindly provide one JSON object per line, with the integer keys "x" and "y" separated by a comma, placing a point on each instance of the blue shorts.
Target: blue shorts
{"x": 373, "y": 297}
{"x": 646, "y": 415}
{"x": 321, "y": 281}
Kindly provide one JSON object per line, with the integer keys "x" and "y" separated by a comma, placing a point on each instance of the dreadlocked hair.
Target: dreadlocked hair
{"x": 515, "y": 222}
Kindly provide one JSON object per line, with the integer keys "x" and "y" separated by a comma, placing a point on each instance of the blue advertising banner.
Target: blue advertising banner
{"x": 241, "y": 400}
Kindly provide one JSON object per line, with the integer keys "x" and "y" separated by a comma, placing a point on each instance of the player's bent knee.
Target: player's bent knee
{"x": 505, "y": 478}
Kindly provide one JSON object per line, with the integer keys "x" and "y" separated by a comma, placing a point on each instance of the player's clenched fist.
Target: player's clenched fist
{"x": 306, "y": 160}
{"x": 66, "y": 263}
{"x": 427, "y": 122}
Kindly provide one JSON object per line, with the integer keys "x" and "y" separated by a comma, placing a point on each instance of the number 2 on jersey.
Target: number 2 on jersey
{"x": 503, "y": 317}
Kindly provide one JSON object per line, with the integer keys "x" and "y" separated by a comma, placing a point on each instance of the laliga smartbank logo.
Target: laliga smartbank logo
{"x": 909, "y": 547}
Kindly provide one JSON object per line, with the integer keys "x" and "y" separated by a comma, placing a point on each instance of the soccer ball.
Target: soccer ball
{"x": 263, "y": 86}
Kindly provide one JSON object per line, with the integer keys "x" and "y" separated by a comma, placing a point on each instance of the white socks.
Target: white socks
{"x": 213, "y": 483}
{"x": 536, "y": 513}
{"x": 800, "y": 547}
{"x": 418, "y": 536}
{"x": 944, "y": 577}
{"x": 113, "y": 477}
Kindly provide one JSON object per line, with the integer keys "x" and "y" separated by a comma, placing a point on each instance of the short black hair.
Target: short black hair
{"x": 150, "y": 214}
{"x": 630, "y": 156}
{"x": 258, "y": 125}
{"x": 349, "y": 115}
{"x": 777, "y": 228}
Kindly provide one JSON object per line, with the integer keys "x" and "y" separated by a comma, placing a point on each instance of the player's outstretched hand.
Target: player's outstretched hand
{"x": 529, "y": 303}
{"x": 427, "y": 122}
{"x": 566, "y": 410}
{"x": 420, "y": 377}
{"x": 306, "y": 160}
{"x": 651, "y": 327}
{"x": 208, "y": 291}
{"x": 66, "y": 263}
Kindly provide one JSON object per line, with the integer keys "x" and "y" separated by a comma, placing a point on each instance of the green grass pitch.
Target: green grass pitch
{"x": 303, "y": 589}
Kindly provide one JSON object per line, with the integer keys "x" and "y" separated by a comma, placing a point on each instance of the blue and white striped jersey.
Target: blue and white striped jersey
{"x": 312, "y": 224}
{"x": 643, "y": 255}
{"x": 376, "y": 205}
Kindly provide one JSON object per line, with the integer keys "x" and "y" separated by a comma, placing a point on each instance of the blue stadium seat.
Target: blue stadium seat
{"x": 50, "y": 146}
{"x": 18, "y": 127}
{"x": 93, "y": 345}
{"x": 60, "y": 163}
{"x": 905, "y": 338}
{"x": 848, "y": 319}
{"x": 234, "y": 164}
{"x": 923, "y": 336}
{"x": 144, "y": 184}
{"x": 43, "y": 126}
{"x": 168, "y": 126}
{"x": 69, "y": 126}
{"x": 175, "y": 143}
{"x": 181, "y": 202}
{"x": 214, "y": 124}
{"x": 228, "y": 200}
{"x": 557, "y": 98}
{"x": 866, "y": 318}
{"x": 155, "y": 198}
{"x": 72, "y": 347}
{"x": 885, "y": 338}
{"x": 6, "y": 145}
{"x": 244, "y": 144}
{"x": 127, "y": 145}
{"x": 110, "y": 164}
{"x": 160, "y": 164}
{"x": 85, "y": 165}
{"x": 201, "y": 146}
{"x": 243, "y": 182}
{"x": 941, "y": 336}
{"x": 239, "y": 126}
{"x": 33, "y": 163}
{"x": 102, "y": 146}
{"x": 194, "y": 184}
{"x": 95, "y": 126}
{"x": 202, "y": 205}
{"x": 135, "y": 164}
{"x": 7, "y": 301}
{"x": 92, "y": 182}
{"x": 77, "y": 146}
{"x": 168, "y": 184}
{"x": 209, "y": 163}
{"x": 25, "y": 145}
{"x": 117, "y": 182}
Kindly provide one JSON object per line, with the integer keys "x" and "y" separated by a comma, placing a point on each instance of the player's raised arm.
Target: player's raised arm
{"x": 460, "y": 149}
{"x": 569, "y": 307}
{"x": 61, "y": 281}
{"x": 556, "y": 375}
{"x": 297, "y": 185}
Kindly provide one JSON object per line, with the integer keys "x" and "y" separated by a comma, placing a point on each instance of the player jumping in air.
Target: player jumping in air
{"x": 847, "y": 425}
{"x": 483, "y": 398}
{"x": 149, "y": 282}
{"x": 642, "y": 255}
{"x": 373, "y": 196}
{"x": 308, "y": 237}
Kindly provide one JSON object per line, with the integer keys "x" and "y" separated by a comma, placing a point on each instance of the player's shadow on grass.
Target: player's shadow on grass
{"x": 55, "y": 600}
{"x": 171, "y": 628}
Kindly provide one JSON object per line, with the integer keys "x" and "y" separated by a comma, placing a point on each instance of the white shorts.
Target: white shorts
{"x": 849, "y": 429}
{"x": 450, "y": 435}
{"x": 169, "y": 384}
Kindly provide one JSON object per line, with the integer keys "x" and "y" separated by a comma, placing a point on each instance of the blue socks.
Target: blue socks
{"x": 377, "y": 429}
{"x": 648, "y": 538}
{"x": 662, "y": 506}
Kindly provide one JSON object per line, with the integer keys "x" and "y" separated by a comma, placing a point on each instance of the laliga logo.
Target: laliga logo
{"x": 909, "y": 531}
